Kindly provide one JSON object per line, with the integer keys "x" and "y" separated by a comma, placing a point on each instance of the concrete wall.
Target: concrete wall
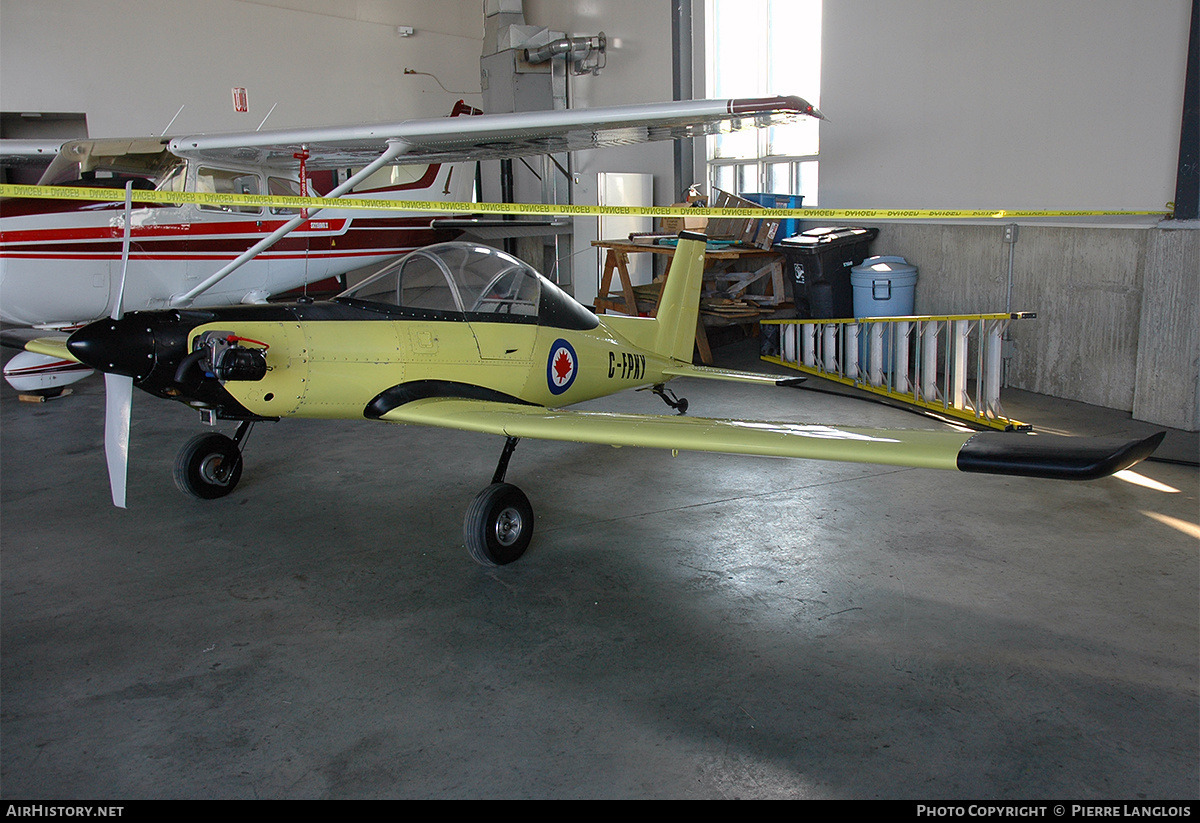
{"x": 1118, "y": 308}
{"x": 1167, "y": 385}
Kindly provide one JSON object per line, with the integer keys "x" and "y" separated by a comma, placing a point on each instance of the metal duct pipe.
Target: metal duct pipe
{"x": 574, "y": 48}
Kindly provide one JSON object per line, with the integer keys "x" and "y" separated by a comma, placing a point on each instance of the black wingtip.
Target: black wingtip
{"x": 1051, "y": 456}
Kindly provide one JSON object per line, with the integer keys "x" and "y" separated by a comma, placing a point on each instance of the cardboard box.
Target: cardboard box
{"x": 674, "y": 225}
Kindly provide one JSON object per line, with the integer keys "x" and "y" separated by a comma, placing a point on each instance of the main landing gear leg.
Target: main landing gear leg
{"x": 499, "y": 521}
{"x": 210, "y": 465}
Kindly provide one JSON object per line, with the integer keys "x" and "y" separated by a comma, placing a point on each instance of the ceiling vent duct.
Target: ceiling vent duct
{"x": 586, "y": 54}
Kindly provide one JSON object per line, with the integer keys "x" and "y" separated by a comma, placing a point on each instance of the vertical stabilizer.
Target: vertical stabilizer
{"x": 679, "y": 308}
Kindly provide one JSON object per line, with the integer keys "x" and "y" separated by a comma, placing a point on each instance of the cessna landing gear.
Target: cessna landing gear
{"x": 210, "y": 465}
{"x": 499, "y": 521}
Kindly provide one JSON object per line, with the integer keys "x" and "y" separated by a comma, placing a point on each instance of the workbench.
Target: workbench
{"x": 718, "y": 262}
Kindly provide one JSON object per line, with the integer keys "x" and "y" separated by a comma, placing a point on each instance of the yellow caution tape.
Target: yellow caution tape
{"x": 232, "y": 201}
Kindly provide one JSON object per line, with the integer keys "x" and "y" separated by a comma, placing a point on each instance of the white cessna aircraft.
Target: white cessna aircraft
{"x": 65, "y": 262}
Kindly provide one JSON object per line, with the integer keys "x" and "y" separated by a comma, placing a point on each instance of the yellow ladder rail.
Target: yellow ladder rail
{"x": 922, "y": 360}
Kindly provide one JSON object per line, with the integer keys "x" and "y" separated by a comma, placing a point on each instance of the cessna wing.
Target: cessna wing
{"x": 1049, "y": 456}
{"x": 489, "y": 136}
{"x": 28, "y": 152}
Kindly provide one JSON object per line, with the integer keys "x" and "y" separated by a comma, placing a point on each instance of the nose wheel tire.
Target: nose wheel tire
{"x": 498, "y": 525}
{"x": 208, "y": 466}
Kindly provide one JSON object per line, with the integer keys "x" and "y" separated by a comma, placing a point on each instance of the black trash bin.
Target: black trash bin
{"x": 820, "y": 261}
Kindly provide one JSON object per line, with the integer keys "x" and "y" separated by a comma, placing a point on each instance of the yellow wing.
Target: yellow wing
{"x": 990, "y": 452}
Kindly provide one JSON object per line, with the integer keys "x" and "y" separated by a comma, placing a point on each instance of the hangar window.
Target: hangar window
{"x": 758, "y": 48}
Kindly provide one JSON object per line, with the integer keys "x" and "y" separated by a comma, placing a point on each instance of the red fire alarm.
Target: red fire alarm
{"x": 241, "y": 102}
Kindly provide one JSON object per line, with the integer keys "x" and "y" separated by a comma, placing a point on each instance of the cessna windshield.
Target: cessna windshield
{"x": 469, "y": 281}
{"x": 111, "y": 163}
{"x": 148, "y": 165}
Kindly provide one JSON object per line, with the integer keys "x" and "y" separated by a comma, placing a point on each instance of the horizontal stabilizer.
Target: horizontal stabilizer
{"x": 732, "y": 375}
{"x": 51, "y": 347}
{"x": 17, "y": 338}
{"x": 38, "y": 341}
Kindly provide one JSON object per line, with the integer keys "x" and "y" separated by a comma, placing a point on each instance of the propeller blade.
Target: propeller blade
{"x": 118, "y": 403}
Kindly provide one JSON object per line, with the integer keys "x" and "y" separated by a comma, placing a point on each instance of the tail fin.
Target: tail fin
{"x": 679, "y": 308}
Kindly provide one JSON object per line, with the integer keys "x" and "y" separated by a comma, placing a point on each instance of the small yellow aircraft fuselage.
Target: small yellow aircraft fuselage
{"x": 467, "y": 337}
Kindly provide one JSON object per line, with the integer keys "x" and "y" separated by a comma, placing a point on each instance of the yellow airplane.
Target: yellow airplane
{"x": 467, "y": 337}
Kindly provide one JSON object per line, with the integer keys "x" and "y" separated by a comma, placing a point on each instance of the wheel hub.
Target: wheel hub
{"x": 508, "y": 526}
{"x": 211, "y": 470}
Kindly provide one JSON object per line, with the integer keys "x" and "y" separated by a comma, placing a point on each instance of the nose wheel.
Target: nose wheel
{"x": 210, "y": 465}
{"x": 499, "y": 521}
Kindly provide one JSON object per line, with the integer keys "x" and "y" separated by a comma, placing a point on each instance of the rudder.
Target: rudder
{"x": 679, "y": 307}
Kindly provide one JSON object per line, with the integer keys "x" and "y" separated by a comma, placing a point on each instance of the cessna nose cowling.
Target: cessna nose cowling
{"x": 123, "y": 346}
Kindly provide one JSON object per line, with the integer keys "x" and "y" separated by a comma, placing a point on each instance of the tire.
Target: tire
{"x": 498, "y": 525}
{"x": 208, "y": 466}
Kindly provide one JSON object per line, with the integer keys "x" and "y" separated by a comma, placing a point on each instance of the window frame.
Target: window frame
{"x": 757, "y": 174}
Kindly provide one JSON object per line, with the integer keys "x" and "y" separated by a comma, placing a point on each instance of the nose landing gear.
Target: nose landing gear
{"x": 210, "y": 465}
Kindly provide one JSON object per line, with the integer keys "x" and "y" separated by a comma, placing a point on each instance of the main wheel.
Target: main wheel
{"x": 208, "y": 466}
{"x": 498, "y": 525}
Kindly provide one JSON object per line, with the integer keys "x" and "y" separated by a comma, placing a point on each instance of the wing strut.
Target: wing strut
{"x": 395, "y": 148}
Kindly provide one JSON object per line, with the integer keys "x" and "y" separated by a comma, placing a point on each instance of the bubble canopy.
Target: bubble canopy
{"x": 469, "y": 281}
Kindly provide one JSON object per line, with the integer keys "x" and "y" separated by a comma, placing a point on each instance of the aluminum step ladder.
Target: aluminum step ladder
{"x": 948, "y": 364}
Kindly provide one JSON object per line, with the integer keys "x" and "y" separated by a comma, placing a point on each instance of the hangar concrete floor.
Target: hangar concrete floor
{"x": 691, "y": 627}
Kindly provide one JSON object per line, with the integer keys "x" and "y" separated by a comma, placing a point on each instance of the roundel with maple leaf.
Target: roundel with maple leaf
{"x": 562, "y": 367}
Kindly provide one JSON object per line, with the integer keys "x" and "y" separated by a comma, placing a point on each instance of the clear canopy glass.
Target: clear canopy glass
{"x": 455, "y": 277}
